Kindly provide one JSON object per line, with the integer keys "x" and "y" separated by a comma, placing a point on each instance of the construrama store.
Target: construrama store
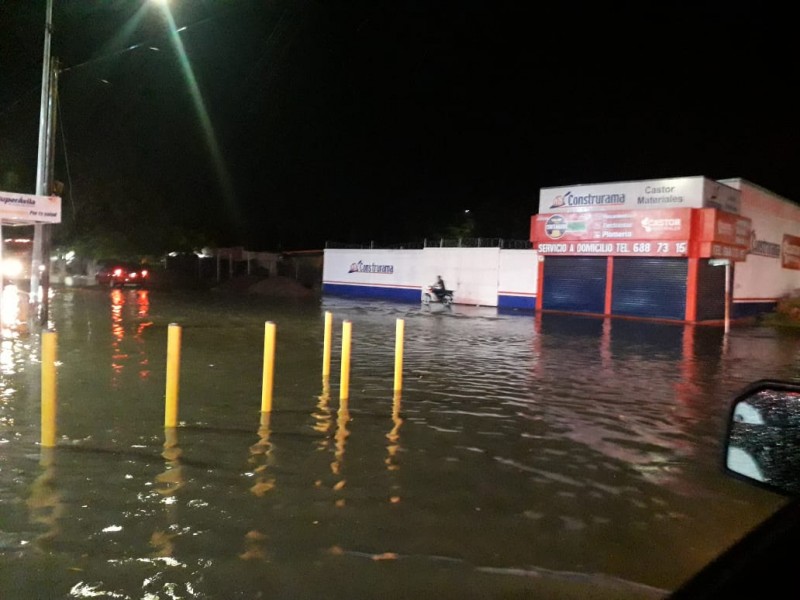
{"x": 667, "y": 249}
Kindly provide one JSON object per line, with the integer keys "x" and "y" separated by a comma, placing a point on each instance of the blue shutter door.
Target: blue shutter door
{"x": 650, "y": 287}
{"x": 575, "y": 283}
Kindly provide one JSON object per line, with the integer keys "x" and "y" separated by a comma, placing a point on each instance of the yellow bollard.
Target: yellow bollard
{"x": 398, "y": 355}
{"x": 344, "y": 384}
{"x": 326, "y": 346}
{"x": 173, "y": 374}
{"x": 49, "y": 403}
{"x": 269, "y": 367}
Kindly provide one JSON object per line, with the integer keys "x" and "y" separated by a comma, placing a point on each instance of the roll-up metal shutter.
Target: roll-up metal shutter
{"x": 650, "y": 287}
{"x": 710, "y": 292}
{"x": 575, "y": 283}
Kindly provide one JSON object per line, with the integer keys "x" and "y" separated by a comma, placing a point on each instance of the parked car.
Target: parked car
{"x": 121, "y": 274}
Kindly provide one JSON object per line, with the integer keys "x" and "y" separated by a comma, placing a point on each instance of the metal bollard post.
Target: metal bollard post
{"x": 269, "y": 367}
{"x": 398, "y": 355}
{"x": 344, "y": 384}
{"x": 173, "y": 374}
{"x": 49, "y": 402}
{"x": 326, "y": 346}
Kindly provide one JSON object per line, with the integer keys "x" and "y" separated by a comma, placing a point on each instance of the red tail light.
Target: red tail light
{"x": 144, "y": 273}
{"x": 117, "y": 272}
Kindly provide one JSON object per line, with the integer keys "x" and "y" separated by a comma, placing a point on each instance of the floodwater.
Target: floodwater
{"x": 559, "y": 457}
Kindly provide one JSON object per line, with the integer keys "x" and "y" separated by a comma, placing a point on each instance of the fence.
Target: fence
{"x": 436, "y": 243}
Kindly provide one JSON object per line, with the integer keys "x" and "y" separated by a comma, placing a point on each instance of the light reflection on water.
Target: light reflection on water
{"x": 551, "y": 456}
{"x": 120, "y": 350}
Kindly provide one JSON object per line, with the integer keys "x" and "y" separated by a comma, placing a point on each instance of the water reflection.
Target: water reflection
{"x": 393, "y": 447}
{"x": 44, "y": 502}
{"x": 340, "y": 441}
{"x": 169, "y": 482}
{"x": 261, "y": 458}
{"x": 119, "y": 350}
{"x": 394, "y": 435}
{"x": 323, "y": 420}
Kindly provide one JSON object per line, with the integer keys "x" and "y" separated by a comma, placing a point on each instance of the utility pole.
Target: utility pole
{"x": 44, "y": 168}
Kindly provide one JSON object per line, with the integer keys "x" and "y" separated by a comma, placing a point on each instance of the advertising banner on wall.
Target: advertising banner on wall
{"x": 705, "y": 233}
{"x": 716, "y": 226}
{"x": 27, "y": 208}
{"x": 679, "y": 192}
{"x": 613, "y": 233}
{"x": 790, "y": 252}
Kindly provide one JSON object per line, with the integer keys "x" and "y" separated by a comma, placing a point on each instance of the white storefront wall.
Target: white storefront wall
{"x": 761, "y": 278}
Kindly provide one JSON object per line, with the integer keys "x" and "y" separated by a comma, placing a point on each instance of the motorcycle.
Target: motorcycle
{"x": 433, "y": 295}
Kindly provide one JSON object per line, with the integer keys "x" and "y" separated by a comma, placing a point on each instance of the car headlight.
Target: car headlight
{"x": 12, "y": 267}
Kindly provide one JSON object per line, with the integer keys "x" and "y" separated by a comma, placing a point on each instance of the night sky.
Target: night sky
{"x": 361, "y": 121}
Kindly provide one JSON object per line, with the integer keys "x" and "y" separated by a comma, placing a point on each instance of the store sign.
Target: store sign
{"x": 731, "y": 229}
{"x": 27, "y": 208}
{"x": 607, "y": 248}
{"x": 790, "y": 252}
{"x": 726, "y": 251}
{"x": 680, "y": 192}
{"x": 362, "y": 267}
{"x": 623, "y": 225}
{"x": 763, "y": 247}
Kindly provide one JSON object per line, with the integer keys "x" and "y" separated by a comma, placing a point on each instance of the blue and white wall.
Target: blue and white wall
{"x": 478, "y": 276}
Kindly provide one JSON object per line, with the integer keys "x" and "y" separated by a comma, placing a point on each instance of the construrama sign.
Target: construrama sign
{"x": 679, "y": 192}
{"x": 361, "y": 267}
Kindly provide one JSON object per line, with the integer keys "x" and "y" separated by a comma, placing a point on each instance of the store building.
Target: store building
{"x": 686, "y": 249}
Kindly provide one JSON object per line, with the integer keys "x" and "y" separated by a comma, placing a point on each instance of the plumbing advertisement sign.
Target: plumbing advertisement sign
{"x": 29, "y": 209}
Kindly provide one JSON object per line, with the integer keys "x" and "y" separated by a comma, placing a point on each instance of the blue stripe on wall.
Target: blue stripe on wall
{"x": 752, "y": 309}
{"x": 516, "y": 302}
{"x": 366, "y": 291}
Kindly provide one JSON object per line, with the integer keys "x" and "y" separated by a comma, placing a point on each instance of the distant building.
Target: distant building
{"x": 687, "y": 249}
{"x": 665, "y": 249}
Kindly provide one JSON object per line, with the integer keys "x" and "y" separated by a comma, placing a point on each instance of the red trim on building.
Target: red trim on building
{"x": 691, "y": 289}
{"x": 609, "y": 284}
{"x": 540, "y": 284}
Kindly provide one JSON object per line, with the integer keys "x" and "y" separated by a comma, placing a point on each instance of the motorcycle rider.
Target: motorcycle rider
{"x": 438, "y": 288}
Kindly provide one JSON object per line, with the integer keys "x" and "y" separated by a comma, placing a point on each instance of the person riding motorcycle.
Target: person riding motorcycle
{"x": 439, "y": 288}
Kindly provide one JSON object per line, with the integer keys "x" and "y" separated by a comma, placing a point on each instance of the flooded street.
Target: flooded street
{"x": 558, "y": 457}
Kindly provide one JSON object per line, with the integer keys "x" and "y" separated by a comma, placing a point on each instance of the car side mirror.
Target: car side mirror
{"x": 762, "y": 445}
